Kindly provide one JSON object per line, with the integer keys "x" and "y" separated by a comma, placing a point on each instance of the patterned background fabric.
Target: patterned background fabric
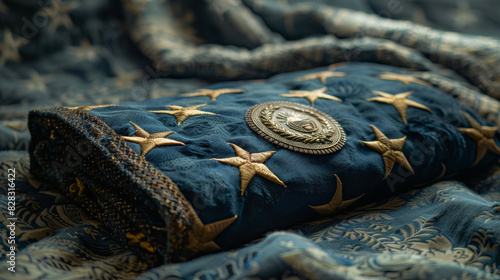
{"x": 80, "y": 53}
{"x": 285, "y": 186}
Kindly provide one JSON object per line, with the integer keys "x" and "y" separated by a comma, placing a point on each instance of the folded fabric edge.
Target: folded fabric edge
{"x": 78, "y": 152}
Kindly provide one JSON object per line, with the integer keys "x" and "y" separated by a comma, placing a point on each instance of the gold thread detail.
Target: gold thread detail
{"x": 296, "y": 127}
{"x": 250, "y": 165}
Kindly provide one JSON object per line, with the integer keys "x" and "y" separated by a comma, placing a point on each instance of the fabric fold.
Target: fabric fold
{"x": 213, "y": 169}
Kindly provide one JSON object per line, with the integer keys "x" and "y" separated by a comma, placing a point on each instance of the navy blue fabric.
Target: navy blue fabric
{"x": 214, "y": 188}
{"x": 410, "y": 236}
{"x": 92, "y": 225}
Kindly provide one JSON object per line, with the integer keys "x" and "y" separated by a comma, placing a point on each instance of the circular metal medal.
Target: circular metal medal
{"x": 296, "y": 127}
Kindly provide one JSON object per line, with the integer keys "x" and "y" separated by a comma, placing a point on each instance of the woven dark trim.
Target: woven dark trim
{"x": 123, "y": 190}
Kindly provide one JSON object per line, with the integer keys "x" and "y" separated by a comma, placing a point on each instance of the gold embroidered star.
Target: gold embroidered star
{"x": 465, "y": 16}
{"x": 61, "y": 18}
{"x": 182, "y": 113}
{"x": 203, "y": 235}
{"x": 322, "y": 76}
{"x": 405, "y": 79}
{"x": 10, "y": 47}
{"x": 89, "y": 107}
{"x": 399, "y": 101}
{"x": 150, "y": 141}
{"x": 86, "y": 51}
{"x": 390, "y": 149}
{"x": 37, "y": 82}
{"x": 213, "y": 93}
{"x": 336, "y": 204}
{"x": 250, "y": 165}
{"x": 126, "y": 78}
{"x": 483, "y": 135}
{"x": 311, "y": 95}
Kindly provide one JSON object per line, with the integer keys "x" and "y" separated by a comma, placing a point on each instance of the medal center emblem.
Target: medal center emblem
{"x": 299, "y": 123}
{"x": 296, "y": 127}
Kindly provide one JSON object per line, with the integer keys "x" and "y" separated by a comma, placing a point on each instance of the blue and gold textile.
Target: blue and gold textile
{"x": 189, "y": 175}
{"x": 409, "y": 236}
{"x": 367, "y": 149}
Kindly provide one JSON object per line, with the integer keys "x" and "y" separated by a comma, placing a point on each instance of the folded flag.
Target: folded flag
{"x": 208, "y": 170}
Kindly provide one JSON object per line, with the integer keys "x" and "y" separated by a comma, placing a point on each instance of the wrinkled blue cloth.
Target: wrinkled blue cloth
{"x": 436, "y": 147}
{"x": 95, "y": 213}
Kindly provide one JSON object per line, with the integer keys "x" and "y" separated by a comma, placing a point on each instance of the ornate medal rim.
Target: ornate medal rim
{"x": 253, "y": 120}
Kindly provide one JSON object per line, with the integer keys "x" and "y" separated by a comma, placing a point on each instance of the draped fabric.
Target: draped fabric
{"x": 139, "y": 158}
{"x": 155, "y": 155}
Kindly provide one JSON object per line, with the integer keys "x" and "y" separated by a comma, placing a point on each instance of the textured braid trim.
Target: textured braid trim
{"x": 92, "y": 165}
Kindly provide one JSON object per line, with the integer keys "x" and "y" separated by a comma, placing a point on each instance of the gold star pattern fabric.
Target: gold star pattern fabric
{"x": 150, "y": 141}
{"x": 202, "y": 236}
{"x": 182, "y": 113}
{"x": 400, "y": 101}
{"x": 126, "y": 78}
{"x": 85, "y": 52}
{"x": 90, "y": 107}
{"x": 9, "y": 48}
{"x": 213, "y": 93}
{"x": 250, "y": 165}
{"x": 465, "y": 16}
{"x": 405, "y": 79}
{"x": 483, "y": 135}
{"x": 322, "y": 76}
{"x": 311, "y": 95}
{"x": 37, "y": 82}
{"x": 336, "y": 204}
{"x": 390, "y": 149}
{"x": 61, "y": 18}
